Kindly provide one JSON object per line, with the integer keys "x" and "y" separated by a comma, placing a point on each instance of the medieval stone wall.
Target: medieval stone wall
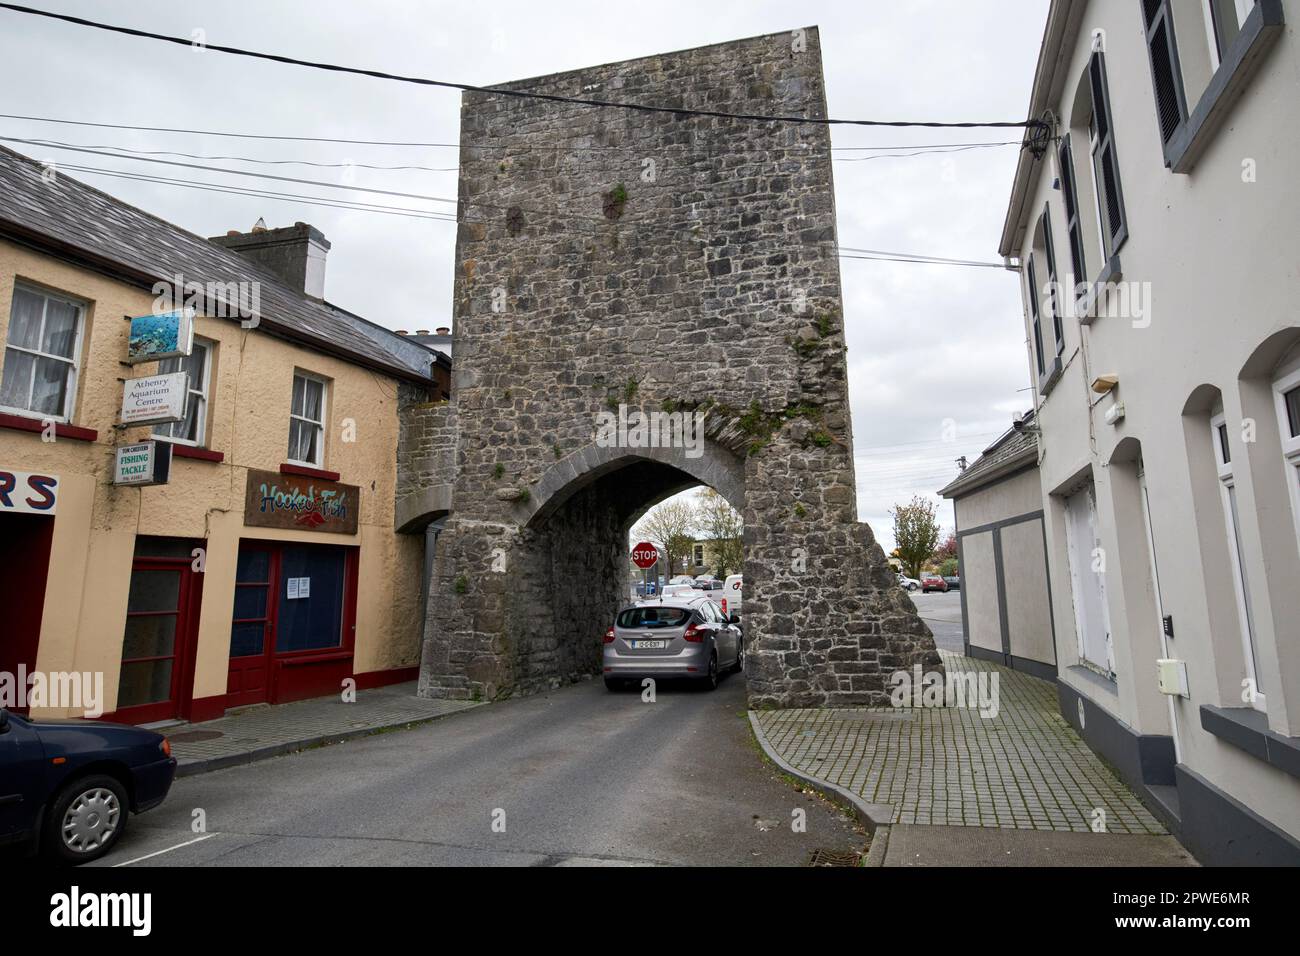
{"x": 660, "y": 262}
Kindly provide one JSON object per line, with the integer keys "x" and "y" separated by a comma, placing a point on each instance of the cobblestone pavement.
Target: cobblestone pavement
{"x": 1026, "y": 768}
{"x": 266, "y": 731}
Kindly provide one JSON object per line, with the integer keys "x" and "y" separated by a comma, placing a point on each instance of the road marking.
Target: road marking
{"x": 150, "y": 856}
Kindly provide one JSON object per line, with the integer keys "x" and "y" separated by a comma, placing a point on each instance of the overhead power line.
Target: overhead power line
{"x": 509, "y": 147}
{"x": 518, "y": 94}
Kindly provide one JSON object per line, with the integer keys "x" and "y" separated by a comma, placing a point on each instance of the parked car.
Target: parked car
{"x": 682, "y": 579}
{"x": 953, "y": 581}
{"x": 906, "y": 583}
{"x": 932, "y": 582}
{"x": 675, "y": 638}
{"x": 708, "y": 583}
{"x": 67, "y": 787}
{"x": 733, "y": 589}
{"x": 679, "y": 591}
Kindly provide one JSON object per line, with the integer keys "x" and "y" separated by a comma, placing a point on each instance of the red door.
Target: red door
{"x": 252, "y": 628}
{"x": 162, "y": 613}
{"x": 25, "y": 557}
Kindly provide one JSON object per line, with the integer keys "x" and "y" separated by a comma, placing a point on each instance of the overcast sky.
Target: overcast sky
{"x": 933, "y": 350}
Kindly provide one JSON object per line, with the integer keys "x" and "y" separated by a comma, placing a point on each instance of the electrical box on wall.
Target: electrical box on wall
{"x": 1171, "y": 675}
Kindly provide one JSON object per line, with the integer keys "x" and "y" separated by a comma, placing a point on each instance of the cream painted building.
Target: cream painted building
{"x": 1168, "y": 400}
{"x": 207, "y": 591}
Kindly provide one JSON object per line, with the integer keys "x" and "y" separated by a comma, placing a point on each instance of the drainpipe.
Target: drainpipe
{"x": 431, "y": 532}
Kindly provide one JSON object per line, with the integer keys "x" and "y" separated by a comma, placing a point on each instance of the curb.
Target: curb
{"x": 876, "y": 817}
{"x": 192, "y": 768}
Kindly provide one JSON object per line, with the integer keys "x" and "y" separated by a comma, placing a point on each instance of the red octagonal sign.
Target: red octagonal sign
{"x": 645, "y": 555}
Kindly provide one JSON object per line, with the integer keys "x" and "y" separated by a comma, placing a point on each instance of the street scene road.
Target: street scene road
{"x": 578, "y": 776}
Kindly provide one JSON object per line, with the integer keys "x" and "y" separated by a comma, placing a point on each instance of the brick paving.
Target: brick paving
{"x": 265, "y": 731}
{"x": 1026, "y": 768}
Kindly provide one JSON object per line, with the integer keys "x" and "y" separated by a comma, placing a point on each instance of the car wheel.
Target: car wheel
{"x": 711, "y": 678}
{"x": 740, "y": 655}
{"x": 86, "y": 819}
{"x": 911, "y": 587}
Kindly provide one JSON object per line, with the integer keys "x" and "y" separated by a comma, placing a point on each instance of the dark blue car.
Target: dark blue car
{"x": 68, "y": 786}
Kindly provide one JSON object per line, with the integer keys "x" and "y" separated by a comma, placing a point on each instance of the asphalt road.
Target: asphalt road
{"x": 578, "y": 777}
{"x": 941, "y": 610}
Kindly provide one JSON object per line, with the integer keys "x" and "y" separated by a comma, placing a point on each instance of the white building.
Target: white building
{"x": 1168, "y": 400}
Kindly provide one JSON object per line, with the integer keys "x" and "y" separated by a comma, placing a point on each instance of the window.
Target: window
{"x": 1166, "y": 75}
{"x": 1105, "y": 164}
{"x": 40, "y": 362}
{"x": 1287, "y": 390}
{"x": 699, "y": 554}
{"x": 307, "y": 421}
{"x": 1224, "y": 21}
{"x": 1088, "y": 581}
{"x": 198, "y": 368}
{"x": 1073, "y": 225}
{"x": 1053, "y": 305}
{"x": 1228, "y": 489}
{"x": 1037, "y": 319}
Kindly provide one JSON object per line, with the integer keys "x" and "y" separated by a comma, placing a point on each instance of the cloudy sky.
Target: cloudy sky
{"x": 936, "y": 353}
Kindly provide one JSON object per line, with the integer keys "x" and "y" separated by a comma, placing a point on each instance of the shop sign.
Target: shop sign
{"x": 144, "y": 463}
{"x": 155, "y": 399}
{"x": 272, "y": 500}
{"x": 26, "y": 493}
{"x": 160, "y": 336}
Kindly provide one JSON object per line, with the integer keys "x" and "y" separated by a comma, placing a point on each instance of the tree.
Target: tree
{"x": 947, "y": 550}
{"x": 724, "y": 527}
{"x": 917, "y": 532}
{"x": 670, "y": 526}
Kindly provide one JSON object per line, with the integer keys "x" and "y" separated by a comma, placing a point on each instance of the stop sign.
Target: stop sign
{"x": 645, "y": 555}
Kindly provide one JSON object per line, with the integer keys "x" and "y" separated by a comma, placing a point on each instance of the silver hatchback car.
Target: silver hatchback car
{"x": 675, "y": 637}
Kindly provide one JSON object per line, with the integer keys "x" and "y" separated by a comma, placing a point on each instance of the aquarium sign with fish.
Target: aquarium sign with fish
{"x": 160, "y": 335}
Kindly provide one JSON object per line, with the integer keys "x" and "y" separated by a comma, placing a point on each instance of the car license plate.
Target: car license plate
{"x": 648, "y": 645}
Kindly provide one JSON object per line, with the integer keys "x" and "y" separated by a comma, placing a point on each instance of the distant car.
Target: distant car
{"x": 906, "y": 583}
{"x": 707, "y": 582}
{"x": 682, "y": 579}
{"x": 953, "y": 581}
{"x": 676, "y": 638}
{"x": 932, "y": 582}
{"x": 67, "y": 787}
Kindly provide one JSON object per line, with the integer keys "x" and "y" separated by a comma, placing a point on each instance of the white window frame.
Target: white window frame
{"x": 1290, "y": 445}
{"x": 1227, "y": 488}
{"x": 320, "y": 426}
{"x": 193, "y": 394}
{"x": 70, "y": 399}
{"x": 1079, "y": 560}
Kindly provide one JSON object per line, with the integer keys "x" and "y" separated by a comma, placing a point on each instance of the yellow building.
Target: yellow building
{"x": 267, "y": 567}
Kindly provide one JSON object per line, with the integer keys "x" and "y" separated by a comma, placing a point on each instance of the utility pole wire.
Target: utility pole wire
{"x": 493, "y": 91}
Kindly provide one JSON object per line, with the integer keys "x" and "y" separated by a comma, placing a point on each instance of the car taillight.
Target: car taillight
{"x": 609, "y": 635}
{"x": 694, "y": 634}
{"x": 166, "y": 747}
{"x": 724, "y": 606}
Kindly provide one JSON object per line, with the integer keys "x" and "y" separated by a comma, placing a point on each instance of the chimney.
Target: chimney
{"x": 295, "y": 253}
{"x": 443, "y": 330}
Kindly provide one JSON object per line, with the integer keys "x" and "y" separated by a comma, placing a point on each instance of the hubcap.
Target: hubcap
{"x": 91, "y": 820}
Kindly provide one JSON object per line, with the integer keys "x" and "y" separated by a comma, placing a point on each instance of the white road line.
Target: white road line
{"x": 150, "y": 856}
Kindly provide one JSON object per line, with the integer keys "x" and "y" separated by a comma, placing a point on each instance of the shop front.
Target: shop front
{"x": 293, "y": 623}
{"x": 28, "y": 503}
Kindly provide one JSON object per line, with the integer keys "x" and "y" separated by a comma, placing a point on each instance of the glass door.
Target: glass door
{"x": 157, "y": 645}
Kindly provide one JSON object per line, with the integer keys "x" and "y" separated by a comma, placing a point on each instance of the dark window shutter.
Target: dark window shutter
{"x": 1105, "y": 160}
{"x": 1073, "y": 226}
{"x": 1166, "y": 76}
{"x": 1033, "y": 311}
{"x": 1053, "y": 306}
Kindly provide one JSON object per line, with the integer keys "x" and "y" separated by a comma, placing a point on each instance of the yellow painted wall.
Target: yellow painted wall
{"x": 248, "y": 421}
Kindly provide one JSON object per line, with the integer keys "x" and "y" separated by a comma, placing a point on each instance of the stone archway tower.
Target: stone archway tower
{"x": 662, "y": 262}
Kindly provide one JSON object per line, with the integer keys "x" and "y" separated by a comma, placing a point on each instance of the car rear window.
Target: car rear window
{"x": 653, "y": 617}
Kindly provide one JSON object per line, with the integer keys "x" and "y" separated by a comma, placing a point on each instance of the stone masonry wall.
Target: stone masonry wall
{"x": 658, "y": 261}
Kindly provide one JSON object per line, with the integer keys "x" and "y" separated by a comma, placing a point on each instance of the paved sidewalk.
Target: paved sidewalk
{"x": 1025, "y": 769}
{"x": 261, "y": 732}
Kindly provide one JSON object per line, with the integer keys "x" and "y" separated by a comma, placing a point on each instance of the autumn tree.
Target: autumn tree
{"x": 724, "y": 527}
{"x": 917, "y": 532}
{"x": 670, "y": 526}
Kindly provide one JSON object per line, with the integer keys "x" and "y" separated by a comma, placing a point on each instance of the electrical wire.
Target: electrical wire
{"x": 568, "y": 147}
{"x": 498, "y": 91}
